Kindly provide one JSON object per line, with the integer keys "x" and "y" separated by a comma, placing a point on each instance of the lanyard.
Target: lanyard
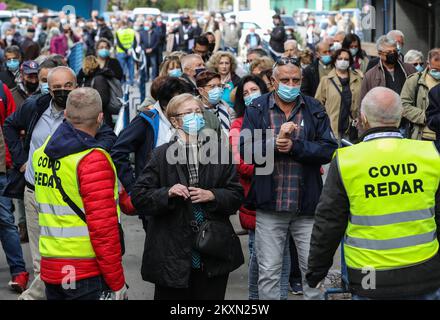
{"x": 383, "y": 135}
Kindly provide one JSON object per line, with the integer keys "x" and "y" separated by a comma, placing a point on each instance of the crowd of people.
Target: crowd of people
{"x": 68, "y": 177}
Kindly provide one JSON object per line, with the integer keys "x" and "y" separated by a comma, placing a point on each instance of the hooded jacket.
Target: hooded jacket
{"x": 96, "y": 179}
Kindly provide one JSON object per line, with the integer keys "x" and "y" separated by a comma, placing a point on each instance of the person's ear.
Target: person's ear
{"x": 101, "y": 117}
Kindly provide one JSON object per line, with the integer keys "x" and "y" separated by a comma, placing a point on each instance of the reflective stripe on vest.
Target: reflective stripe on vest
{"x": 62, "y": 232}
{"x": 391, "y": 185}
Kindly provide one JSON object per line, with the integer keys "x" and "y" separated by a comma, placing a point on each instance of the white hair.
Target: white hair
{"x": 293, "y": 42}
{"x": 395, "y": 33}
{"x": 385, "y": 41}
{"x": 382, "y": 107}
{"x": 188, "y": 59}
{"x": 56, "y": 69}
{"x": 413, "y": 56}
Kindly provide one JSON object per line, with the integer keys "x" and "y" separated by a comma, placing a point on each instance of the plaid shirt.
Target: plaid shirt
{"x": 192, "y": 163}
{"x": 287, "y": 172}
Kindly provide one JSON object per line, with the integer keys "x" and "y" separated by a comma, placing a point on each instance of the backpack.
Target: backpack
{"x": 152, "y": 117}
{"x": 116, "y": 95}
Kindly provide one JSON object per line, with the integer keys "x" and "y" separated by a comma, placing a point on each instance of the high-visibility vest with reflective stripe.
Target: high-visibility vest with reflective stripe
{"x": 126, "y": 37}
{"x": 391, "y": 186}
{"x": 62, "y": 232}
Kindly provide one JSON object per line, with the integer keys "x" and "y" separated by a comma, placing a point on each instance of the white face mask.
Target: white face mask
{"x": 342, "y": 64}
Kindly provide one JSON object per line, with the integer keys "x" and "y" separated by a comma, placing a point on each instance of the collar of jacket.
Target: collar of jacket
{"x": 378, "y": 130}
{"x": 354, "y": 76}
{"x": 381, "y": 67}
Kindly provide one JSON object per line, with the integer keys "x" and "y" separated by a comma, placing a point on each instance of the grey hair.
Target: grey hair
{"x": 294, "y": 42}
{"x": 83, "y": 107}
{"x": 275, "y": 69}
{"x": 54, "y": 70}
{"x": 412, "y": 56}
{"x": 395, "y": 33}
{"x": 382, "y": 107}
{"x": 185, "y": 61}
{"x": 385, "y": 41}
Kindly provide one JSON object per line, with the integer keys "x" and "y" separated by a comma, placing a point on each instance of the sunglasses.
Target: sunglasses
{"x": 283, "y": 61}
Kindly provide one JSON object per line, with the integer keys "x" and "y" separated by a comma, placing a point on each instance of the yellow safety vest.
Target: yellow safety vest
{"x": 126, "y": 37}
{"x": 391, "y": 185}
{"x": 62, "y": 232}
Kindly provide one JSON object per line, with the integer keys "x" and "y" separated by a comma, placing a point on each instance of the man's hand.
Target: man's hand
{"x": 179, "y": 190}
{"x": 286, "y": 129}
{"x": 149, "y": 50}
{"x": 122, "y": 294}
{"x": 23, "y": 168}
{"x": 200, "y": 195}
{"x": 284, "y": 145}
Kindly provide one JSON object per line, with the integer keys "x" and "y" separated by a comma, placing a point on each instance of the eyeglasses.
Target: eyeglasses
{"x": 284, "y": 60}
{"x": 415, "y": 64}
{"x": 186, "y": 113}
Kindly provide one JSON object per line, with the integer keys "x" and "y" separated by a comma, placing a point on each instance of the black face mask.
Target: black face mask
{"x": 60, "y": 97}
{"x": 31, "y": 87}
{"x": 199, "y": 70}
{"x": 392, "y": 58}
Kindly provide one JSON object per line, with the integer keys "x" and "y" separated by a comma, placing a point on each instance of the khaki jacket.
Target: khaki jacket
{"x": 414, "y": 108}
{"x": 329, "y": 96}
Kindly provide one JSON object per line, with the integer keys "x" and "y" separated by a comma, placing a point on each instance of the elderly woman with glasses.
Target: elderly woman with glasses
{"x": 211, "y": 91}
{"x": 179, "y": 190}
{"x": 415, "y": 58}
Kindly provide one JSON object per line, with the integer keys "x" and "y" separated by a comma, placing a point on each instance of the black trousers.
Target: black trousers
{"x": 200, "y": 288}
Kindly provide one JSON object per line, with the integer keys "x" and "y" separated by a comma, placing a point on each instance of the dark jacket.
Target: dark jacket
{"x": 8, "y": 78}
{"x": 314, "y": 150}
{"x": 310, "y": 81}
{"x": 277, "y": 38}
{"x": 151, "y": 43}
{"x": 247, "y": 41}
{"x": 331, "y": 220}
{"x": 433, "y": 113}
{"x": 168, "y": 246}
{"x": 105, "y": 32}
{"x": 114, "y": 65}
{"x": 99, "y": 79}
{"x": 27, "y": 117}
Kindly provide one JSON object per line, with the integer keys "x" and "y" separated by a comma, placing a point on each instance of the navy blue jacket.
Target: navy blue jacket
{"x": 315, "y": 149}
{"x": 153, "y": 43}
{"x": 26, "y": 117}
{"x": 138, "y": 137}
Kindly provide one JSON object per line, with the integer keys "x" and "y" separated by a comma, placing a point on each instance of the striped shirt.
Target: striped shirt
{"x": 287, "y": 172}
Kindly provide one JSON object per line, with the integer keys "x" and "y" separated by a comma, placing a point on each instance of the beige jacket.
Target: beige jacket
{"x": 329, "y": 96}
{"x": 414, "y": 108}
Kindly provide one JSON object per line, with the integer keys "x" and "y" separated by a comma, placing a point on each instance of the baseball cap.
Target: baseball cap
{"x": 30, "y": 67}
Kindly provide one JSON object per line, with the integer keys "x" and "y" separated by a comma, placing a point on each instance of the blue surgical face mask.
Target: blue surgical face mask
{"x": 288, "y": 93}
{"x": 399, "y": 48}
{"x": 248, "y": 100}
{"x": 193, "y": 123}
{"x": 13, "y": 64}
{"x": 176, "y": 73}
{"x": 214, "y": 95}
{"x": 104, "y": 53}
{"x": 147, "y": 28}
{"x": 419, "y": 68}
{"x": 354, "y": 51}
{"x": 435, "y": 74}
{"x": 44, "y": 87}
{"x": 327, "y": 59}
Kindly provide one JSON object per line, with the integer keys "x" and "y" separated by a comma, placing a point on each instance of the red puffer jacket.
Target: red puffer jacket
{"x": 246, "y": 172}
{"x": 96, "y": 182}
